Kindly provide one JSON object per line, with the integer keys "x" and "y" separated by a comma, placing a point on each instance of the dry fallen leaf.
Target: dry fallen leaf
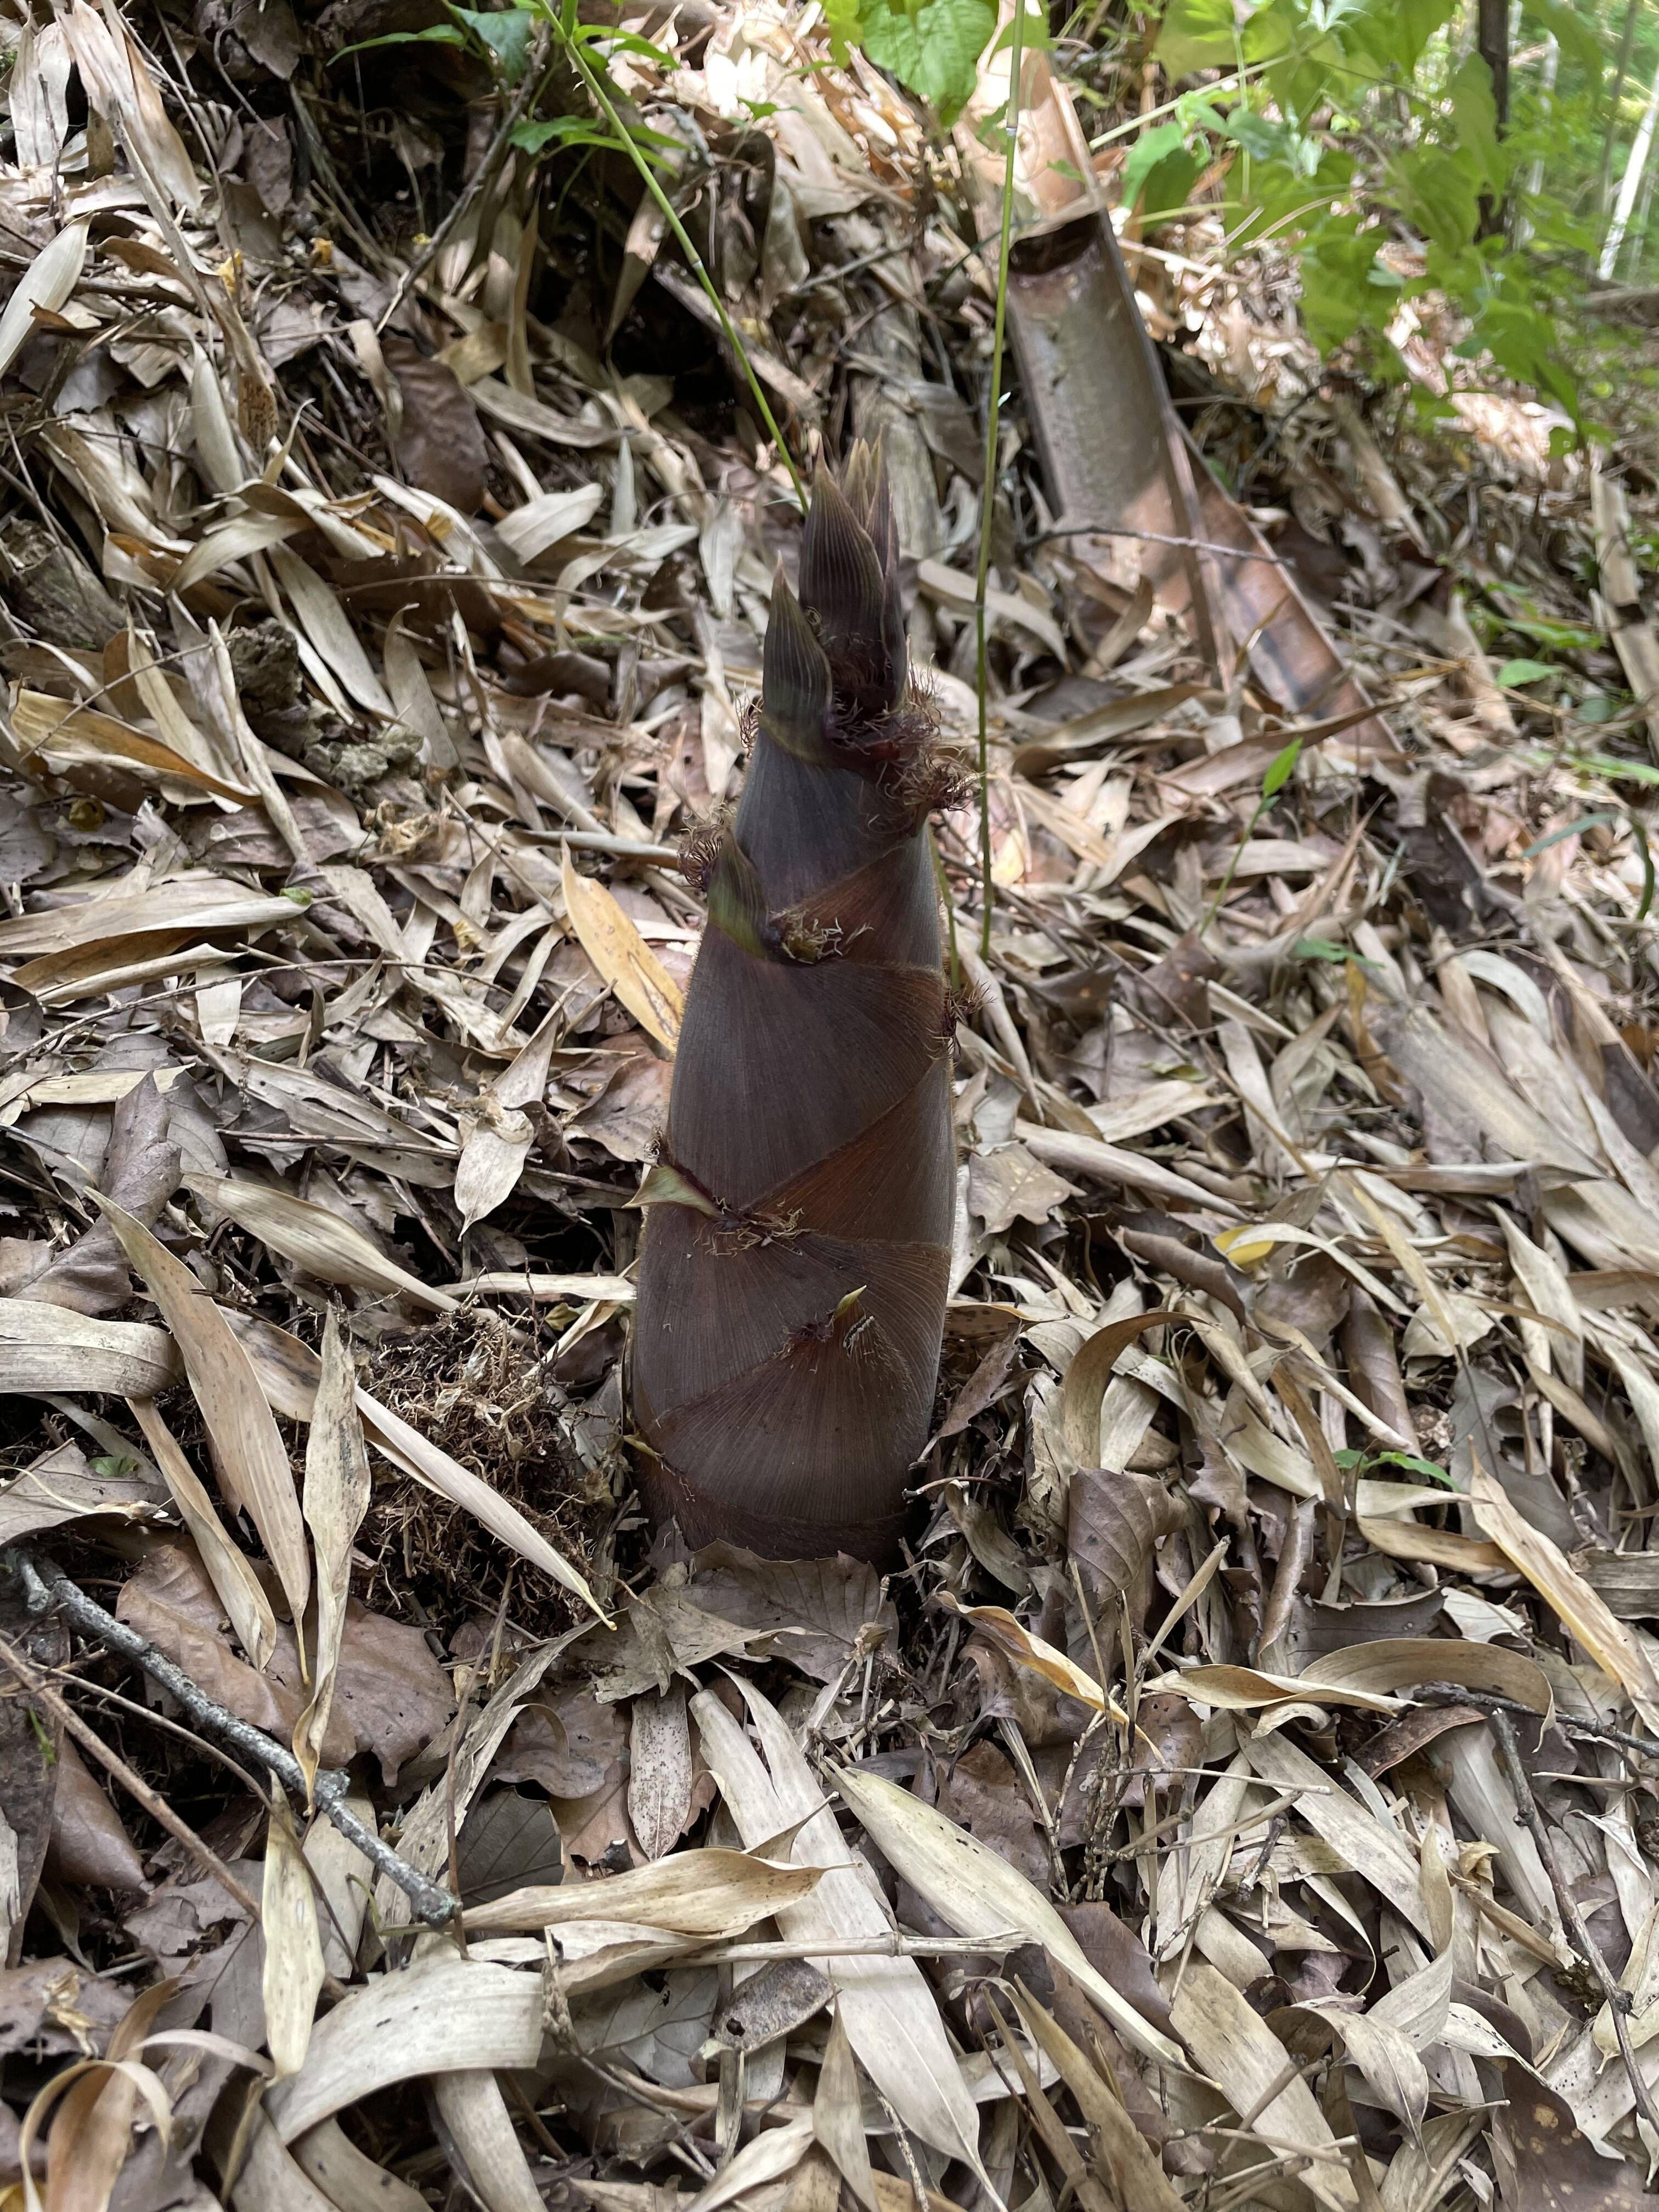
{"x": 623, "y": 957}
{"x": 248, "y": 1450}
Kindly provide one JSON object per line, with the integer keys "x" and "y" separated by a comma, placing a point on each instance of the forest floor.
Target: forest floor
{"x": 1249, "y": 1792}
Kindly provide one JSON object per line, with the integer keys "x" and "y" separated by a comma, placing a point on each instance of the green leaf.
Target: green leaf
{"x": 1474, "y": 113}
{"x": 1573, "y": 32}
{"x": 1413, "y": 1465}
{"x": 1149, "y": 149}
{"x": 1034, "y": 35}
{"x": 507, "y": 35}
{"x": 118, "y": 1465}
{"x": 933, "y": 48}
{"x": 1602, "y": 707}
{"x": 1600, "y": 820}
{"x": 604, "y": 38}
{"x": 1318, "y": 948}
{"x": 1514, "y": 673}
{"x": 536, "y": 134}
{"x": 1197, "y": 34}
{"x": 437, "y": 35}
{"x": 840, "y": 19}
{"x": 1281, "y": 769}
{"x": 1168, "y": 188}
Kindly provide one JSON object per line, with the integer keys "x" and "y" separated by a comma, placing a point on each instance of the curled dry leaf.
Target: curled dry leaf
{"x": 999, "y": 1626}
{"x": 46, "y": 1348}
{"x": 90, "y": 1846}
{"x": 1113, "y": 1523}
{"x": 141, "y": 1173}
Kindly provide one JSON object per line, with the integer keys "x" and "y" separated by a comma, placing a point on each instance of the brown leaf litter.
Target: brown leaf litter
{"x": 1248, "y": 1793}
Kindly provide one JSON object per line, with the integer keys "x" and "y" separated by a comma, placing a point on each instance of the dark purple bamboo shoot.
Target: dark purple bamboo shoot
{"x": 798, "y": 1224}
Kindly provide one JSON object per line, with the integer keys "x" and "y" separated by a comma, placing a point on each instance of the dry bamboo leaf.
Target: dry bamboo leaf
{"x": 233, "y": 541}
{"x": 1055, "y": 2138}
{"x": 195, "y": 903}
{"x": 623, "y": 957}
{"x": 444, "y": 2014}
{"x": 1435, "y": 1547}
{"x": 713, "y": 1894}
{"x": 493, "y": 1158}
{"x": 540, "y": 523}
{"x": 347, "y": 2177}
{"x": 58, "y": 733}
{"x": 1009, "y": 608}
{"x": 45, "y": 284}
{"x": 236, "y": 1585}
{"x": 838, "y": 2114}
{"x": 248, "y": 1450}
{"x": 333, "y": 1249}
{"x": 1569, "y": 1597}
{"x": 1243, "y": 1689}
{"x": 411, "y": 693}
{"x": 1366, "y": 1843}
{"x": 979, "y": 1894}
{"x": 270, "y": 2179}
{"x": 769, "y": 2157}
{"x": 288, "y": 1372}
{"x": 660, "y": 1770}
{"x": 91, "y": 2131}
{"x": 1240, "y": 2052}
{"x": 1136, "y": 2174}
{"x": 474, "y": 2111}
{"x": 1472, "y": 1087}
{"x": 1001, "y": 1627}
{"x": 1384, "y": 2055}
{"x": 1401, "y": 1662}
{"x": 46, "y": 1348}
{"x": 119, "y": 85}
{"x": 293, "y": 1973}
{"x": 886, "y": 2007}
{"x": 338, "y": 1486}
{"x": 324, "y": 622}
{"x": 1090, "y": 1371}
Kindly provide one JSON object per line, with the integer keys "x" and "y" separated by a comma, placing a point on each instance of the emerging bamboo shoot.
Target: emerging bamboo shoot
{"x": 798, "y": 1238}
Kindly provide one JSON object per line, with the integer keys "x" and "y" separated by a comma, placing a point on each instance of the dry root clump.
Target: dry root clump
{"x": 473, "y": 1383}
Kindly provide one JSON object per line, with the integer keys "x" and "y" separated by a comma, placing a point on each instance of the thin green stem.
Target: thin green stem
{"x": 988, "y": 493}
{"x": 594, "y": 79}
{"x": 1226, "y": 885}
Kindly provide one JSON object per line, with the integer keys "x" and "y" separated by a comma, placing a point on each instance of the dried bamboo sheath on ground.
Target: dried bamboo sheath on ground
{"x": 792, "y": 1294}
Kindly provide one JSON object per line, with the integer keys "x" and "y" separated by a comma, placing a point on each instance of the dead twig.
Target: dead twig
{"x": 1492, "y": 1702}
{"x": 44, "y": 1588}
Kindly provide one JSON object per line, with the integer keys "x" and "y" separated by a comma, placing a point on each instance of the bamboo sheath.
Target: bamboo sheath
{"x": 798, "y": 1224}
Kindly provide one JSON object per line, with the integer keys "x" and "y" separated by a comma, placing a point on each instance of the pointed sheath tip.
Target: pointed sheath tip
{"x": 854, "y": 595}
{"x": 795, "y": 679}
